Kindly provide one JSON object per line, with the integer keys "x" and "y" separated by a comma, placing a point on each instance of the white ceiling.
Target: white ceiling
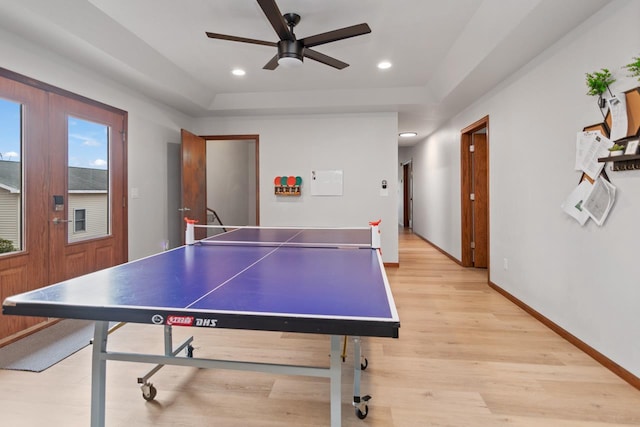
{"x": 445, "y": 53}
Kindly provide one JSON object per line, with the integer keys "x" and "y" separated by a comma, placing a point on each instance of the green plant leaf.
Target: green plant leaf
{"x": 598, "y": 82}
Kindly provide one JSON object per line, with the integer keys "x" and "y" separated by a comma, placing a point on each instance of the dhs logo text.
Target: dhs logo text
{"x": 207, "y": 323}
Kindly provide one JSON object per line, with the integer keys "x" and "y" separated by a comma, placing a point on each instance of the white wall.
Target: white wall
{"x": 585, "y": 279}
{"x": 151, "y": 127}
{"x": 364, "y": 146}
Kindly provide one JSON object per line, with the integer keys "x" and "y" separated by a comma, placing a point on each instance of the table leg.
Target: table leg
{"x": 357, "y": 355}
{"x": 336, "y": 382}
{"x": 359, "y": 402}
{"x": 98, "y": 374}
{"x": 168, "y": 340}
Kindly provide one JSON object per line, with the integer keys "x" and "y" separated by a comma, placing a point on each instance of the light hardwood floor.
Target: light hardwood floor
{"x": 466, "y": 357}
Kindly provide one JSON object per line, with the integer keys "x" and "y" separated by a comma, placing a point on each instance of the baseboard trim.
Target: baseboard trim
{"x": 593, "y": 353}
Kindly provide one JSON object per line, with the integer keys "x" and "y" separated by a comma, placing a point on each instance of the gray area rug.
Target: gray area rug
{"x": 47, "y": 347}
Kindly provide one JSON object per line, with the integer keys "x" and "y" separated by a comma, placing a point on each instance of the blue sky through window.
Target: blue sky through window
{"x": 10, "y": 131}
{"x": 88, "y": 145}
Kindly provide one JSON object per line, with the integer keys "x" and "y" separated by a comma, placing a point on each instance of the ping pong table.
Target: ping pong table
{"x": 319, "y": 281}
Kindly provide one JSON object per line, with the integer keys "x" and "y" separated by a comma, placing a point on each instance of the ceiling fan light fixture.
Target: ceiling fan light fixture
{"x": 384, "y": 65}
{"x": 290, "y": 62}
{"x": 238, "y": 72}
{"x": 408, "y": 134}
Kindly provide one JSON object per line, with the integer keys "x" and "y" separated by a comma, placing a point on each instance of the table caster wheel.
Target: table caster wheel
{"x": 362, "y": 415}
{"x": 362, "y": 409}
{"x": 364, "y": 365}
{"x": 148, "y": 392}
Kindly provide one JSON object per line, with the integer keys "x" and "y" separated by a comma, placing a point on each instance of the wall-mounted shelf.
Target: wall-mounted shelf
{"x": 624, "y": 162}
{"x": 287, "y": 191}
{"x": 287, "y": 186}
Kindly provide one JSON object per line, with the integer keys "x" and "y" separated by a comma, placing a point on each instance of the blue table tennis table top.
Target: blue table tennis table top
{"x": 297, "y": 280}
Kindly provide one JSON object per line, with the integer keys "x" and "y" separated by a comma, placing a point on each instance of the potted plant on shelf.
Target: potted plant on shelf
{"x": 616, "y": 150}
{"x": 598, "y": 82}
{"x": 634, "y": 68}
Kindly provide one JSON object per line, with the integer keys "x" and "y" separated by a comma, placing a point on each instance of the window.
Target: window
{"x": 88, "y": 179}
{"x": 11, "y": 197}
{"x": 79, "y": 220}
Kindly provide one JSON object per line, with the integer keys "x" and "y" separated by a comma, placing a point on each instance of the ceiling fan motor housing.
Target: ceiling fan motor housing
{"x": 290, "y": 49}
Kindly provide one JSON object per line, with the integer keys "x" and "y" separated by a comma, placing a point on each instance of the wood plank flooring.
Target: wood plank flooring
{"x": 466, "y": 357}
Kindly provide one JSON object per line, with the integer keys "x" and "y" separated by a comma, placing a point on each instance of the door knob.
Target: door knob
{"x": 57, "y": 220}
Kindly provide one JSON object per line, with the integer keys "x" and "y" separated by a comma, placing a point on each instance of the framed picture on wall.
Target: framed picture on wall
{"x": 632, "y": 147}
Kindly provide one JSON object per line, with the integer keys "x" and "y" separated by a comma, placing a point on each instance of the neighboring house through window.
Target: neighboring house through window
{"x": 88, "y": 195}
{"x": 88, "y": 203}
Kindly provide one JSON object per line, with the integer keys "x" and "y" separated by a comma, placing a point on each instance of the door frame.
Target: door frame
{"x": 193, "y": 177}
{"x": 466, "y": 138}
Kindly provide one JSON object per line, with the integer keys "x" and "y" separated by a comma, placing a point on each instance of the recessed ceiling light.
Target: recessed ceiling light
{"x": 384, "y": 65}
{"x": 408, "y": 134}
{"x": 238, "y": 72}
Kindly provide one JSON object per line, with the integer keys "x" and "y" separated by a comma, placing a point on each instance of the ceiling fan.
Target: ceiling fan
{"x": 291, "y": 50}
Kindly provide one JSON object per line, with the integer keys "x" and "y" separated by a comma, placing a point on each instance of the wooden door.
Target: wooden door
{"x": 194, "y": 180}
{"x": 479, "y": 204}
{"x": 24, "y": 268}
{"x": 88, "y": 229}
{"x": 474, "y": 171}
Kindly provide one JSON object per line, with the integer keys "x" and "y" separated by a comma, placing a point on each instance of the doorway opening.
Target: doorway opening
{"x": 231, "y": 183}
{"x": 407, "y": 195}
{"x": 474, "y": 168}
{"x": 220, "y": 180}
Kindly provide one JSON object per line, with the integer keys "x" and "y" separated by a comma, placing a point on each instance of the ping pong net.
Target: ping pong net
{"x": 304, "y": 237}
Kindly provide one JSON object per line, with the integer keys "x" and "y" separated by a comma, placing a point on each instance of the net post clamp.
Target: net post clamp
{"x": 189, "y": 238}
{"x": 375, "y": 234}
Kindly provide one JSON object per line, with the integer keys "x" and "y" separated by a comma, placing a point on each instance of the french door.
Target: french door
{"x": 87, "y": 169}
{"x": 62, "y": 188}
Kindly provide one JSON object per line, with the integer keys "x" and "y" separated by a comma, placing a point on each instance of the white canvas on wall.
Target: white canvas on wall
{"x": 326, "y": 182}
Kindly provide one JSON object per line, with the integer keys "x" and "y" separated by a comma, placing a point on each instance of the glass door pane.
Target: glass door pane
{"x": 88, "y": 180}
{"x": 11, "y": 198}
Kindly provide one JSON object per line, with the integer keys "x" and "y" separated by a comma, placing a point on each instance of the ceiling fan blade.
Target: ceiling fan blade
{"x": 273, "y": 14}
{"x": 335, "y": 35}
{"x": 327, "y": 60}
{"x": 239, "y": 39}
{"x": 272, "y": 64}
